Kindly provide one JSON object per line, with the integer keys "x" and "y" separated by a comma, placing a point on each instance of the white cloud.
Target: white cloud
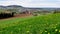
{"x": 43, "y": 5}
{"x": 32, "y": 3}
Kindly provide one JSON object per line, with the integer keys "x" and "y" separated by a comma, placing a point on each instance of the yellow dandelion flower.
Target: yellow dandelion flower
{"x": 46, "y": 23}
{"x": 27, "y": 31}
{"x": 40, "y": 32}
{"x": 56, "y": 29}
{"x": 45, "y": 31}
{"x": 59, "y": 30}
{"x": 11, "y": 32}
{"x": 48, "y": 33}
{"x": 56, "y": 24}
{"x": 30, "y": 33}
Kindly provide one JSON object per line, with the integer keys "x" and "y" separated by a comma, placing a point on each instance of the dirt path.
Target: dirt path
{"x": 18, "y": 16}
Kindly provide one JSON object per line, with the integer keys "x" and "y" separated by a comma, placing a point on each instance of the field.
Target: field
{"x": 44, "y": 24}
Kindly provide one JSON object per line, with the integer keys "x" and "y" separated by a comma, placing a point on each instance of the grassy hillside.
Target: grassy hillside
{"x": 46, "y": 24}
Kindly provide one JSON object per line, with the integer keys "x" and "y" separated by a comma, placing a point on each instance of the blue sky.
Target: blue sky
{"x": 32, "y": 3}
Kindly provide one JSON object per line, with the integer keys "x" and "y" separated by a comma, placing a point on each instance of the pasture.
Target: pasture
{"x": 45, "y": 24}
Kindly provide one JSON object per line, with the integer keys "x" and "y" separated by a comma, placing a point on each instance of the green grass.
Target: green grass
{"x": 45, "y": 24}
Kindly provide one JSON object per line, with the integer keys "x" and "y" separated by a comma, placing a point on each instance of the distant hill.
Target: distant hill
{"x": 21, "y": 8}
{"x": 14, "y": 6}
{"x": 10, "y": 7}
{"x": 17, "y": 7}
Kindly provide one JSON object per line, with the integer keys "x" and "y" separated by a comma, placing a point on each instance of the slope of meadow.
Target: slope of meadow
{"x": 46, "y": 24}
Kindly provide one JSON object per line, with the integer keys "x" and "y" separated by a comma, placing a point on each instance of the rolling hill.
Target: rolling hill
{"x": 47, "y": 24}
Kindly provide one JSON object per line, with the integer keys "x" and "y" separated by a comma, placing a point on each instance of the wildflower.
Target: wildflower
{"x": 48, "y": 33}
{"x": 47, "y": 23}
{"x": 56, "y": 24}
{"x": 30, "y": 33}
{"x": 11, "y": 32}
{"x": 59, "y": 30}
{"x": 45, "y": 31}
{"x": 56, "y": 29}
{"x": 41, "y": 32}
{"x": 44, "y": 24}
{"x": 27, "y": 31}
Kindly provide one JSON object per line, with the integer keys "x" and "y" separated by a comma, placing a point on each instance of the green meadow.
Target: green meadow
{"x": 44, "y": 24}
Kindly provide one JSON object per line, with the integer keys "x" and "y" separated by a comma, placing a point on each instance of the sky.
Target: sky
{"x": 32, "y": 3}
